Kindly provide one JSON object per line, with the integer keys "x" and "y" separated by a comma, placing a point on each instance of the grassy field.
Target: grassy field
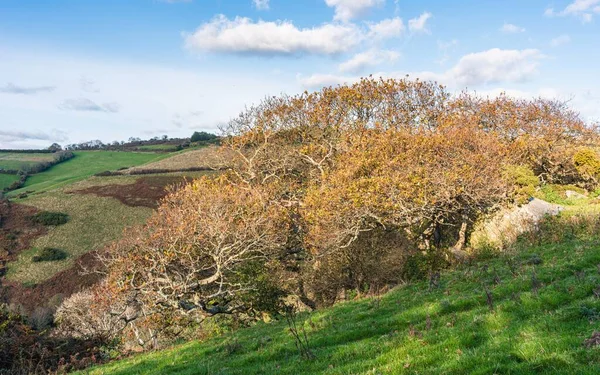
{"x": 84, "y": 165}
{"x": 208, "y": 156}
{"x": 543, "y": 308}
{"x": 161, "y": 147}
{"x": 94, "y": 222}
{"x": 6, "y": 180}
{"x": 10, "y": 160}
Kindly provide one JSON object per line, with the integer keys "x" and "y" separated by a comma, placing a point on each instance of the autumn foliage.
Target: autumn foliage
{"x": 348, "y": 188}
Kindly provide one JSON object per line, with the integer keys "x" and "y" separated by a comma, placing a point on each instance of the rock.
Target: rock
{"x": 504, "y": 227}
{"x": 574, "y": 194}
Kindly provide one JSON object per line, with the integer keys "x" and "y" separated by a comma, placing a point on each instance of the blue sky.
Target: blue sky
{"x": 72, "y": 71}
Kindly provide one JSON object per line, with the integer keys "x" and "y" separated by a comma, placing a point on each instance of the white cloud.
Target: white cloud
{"x": 13, "y": 136}
{"x": 387, "y": 28}
{"x": 509, "y": 28}
{"x": 472, "y": 70}
{"x": 11, "y": 88}
{"x": 368, "y": 58}
{"x": 419, "y": 24}
{"x": 242, "y": 35}
{"x": 85, "y": 104}
{"x": 261, "y": 4}
{"x": 321, "y": 80}
{"x": 495, "y": 65}
{"x": 560, "y": 40}
{"x": 583, "y": 9}
{"x": 345, "y": 10}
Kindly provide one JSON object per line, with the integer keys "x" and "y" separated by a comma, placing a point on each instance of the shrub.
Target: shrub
{"x": 202, "y": 137}
{"x": 50, "y": 218}
{"x": 524, "y": 180}
{"x": 587, "y": 163}
{"x": 50, "y": 254}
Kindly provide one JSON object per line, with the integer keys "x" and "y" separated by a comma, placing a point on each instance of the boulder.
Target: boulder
{"x": 505, "y": 226}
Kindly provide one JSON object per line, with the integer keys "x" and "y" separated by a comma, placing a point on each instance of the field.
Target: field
{"x": 94, "y": 222}
{"x": 82, "y": 166}
{"x": 7, "y": 179}
{"x": 209, "y": 156}
{"x": 10, "y": 160}
{"x": 542, "y": 307}
{"x": 160, "y": 147}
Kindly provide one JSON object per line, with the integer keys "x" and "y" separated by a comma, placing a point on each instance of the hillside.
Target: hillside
{"x": 543, "y": 306}
{"x": 99, "y": 209}
{"x": 85, "y": 164}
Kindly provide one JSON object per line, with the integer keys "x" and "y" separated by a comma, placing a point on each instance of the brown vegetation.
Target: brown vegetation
{"x": 145, "y": 191}
{"x": 349, "y": 188}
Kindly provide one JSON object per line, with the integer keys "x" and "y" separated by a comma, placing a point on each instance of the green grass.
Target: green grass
{"x": 528, "y": 331}
{"x": 7, "y": 179}
{"x": 15, "y": 160}
{"x": 84, "y": 165}
{"x": 93, "y": 223}
{"x": 161, "y": 147}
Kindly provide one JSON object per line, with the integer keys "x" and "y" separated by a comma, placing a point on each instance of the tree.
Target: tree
{"x": 195, "y": 254}
{"x": 202, "y": 137}
{"x": 55, "y": 147}
{"x": 324, "y": 187}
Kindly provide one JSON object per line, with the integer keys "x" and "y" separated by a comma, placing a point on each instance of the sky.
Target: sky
{"x": 77, "y": 70}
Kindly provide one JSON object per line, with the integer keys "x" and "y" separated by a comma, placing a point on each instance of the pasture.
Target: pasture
{"x": 16, "y": 160}
{"x": 85, "y": 164}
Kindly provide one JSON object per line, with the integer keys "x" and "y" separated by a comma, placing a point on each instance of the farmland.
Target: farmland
{"x": 85, "y": 164}
{"x": 7, "y": 179}
{"x": 99, "y": 209}
{"x": 10, "y": 160}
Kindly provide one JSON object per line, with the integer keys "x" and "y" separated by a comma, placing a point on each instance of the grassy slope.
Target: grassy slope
{"x": 528, "y": 332}
{"x": 84, "y": 165}
{"x": 9, "y": 160}
{"x": 6, "y": 180}
{"x": 93, "y": 223}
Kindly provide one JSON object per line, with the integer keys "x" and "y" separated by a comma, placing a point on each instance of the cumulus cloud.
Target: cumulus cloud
{"x": 582, "y": 9}
{"x": 560, "y": 40}
{"x": 87, "y": 105}
{"x": 241, "y": 35}
{"x": 321, "y": 80}
{"x": 496, "y": 65}
{"x": 54, "y": 135}
{"x": 261, "y": 4}
{"x": 11, "y": 88}
{"x": 473, "y": 70}
{"x": 387, "y": 28}
{"x": 346, "y": 10}
{"x": 419, "y": 24}
{"x": 244, "y": 36}
{"x": 509, "y": 28}
{"x": 368, "y": 58}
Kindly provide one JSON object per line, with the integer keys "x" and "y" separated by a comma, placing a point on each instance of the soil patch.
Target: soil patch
{"x": 145, "y": 191}
{"x": 17, "y": 230}
{"x": 61, "y": 285}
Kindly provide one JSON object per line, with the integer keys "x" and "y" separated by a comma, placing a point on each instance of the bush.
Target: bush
{"x": 50, "y": 218}
{"x": 50, "y": 254}
{"x": 587, "y": 163}
{"x": 202, "y": 137}
{"x": 524, "y": 180}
